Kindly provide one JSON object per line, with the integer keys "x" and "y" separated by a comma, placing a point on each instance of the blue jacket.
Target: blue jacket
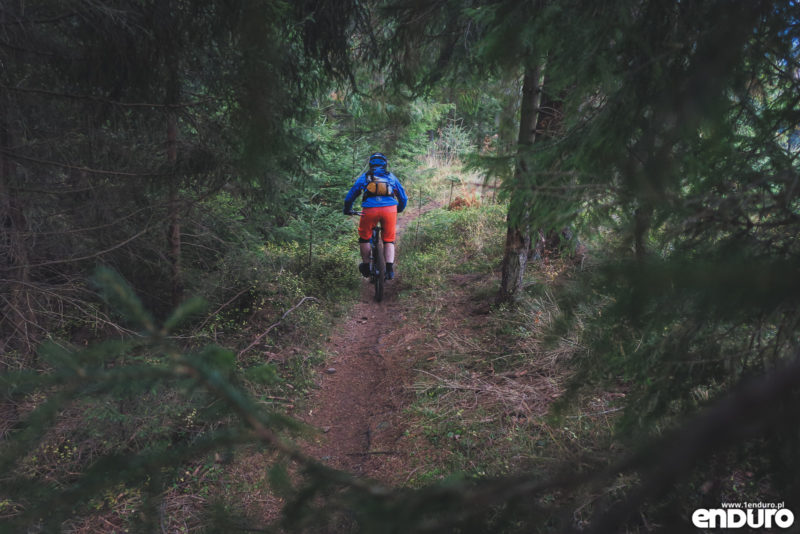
{"x": 399, "y": 198}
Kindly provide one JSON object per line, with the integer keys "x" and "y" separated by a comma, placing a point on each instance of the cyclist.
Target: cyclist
{"x": 384, "y": 197}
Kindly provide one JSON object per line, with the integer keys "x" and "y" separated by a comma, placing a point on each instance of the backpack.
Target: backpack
{"x": 378, "y": 186}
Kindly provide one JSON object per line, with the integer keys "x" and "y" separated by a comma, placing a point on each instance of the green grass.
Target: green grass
{"x": 482, "y": 398}
{"x": 452, "y": 242}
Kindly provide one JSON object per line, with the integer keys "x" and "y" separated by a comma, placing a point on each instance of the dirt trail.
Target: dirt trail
{"x": 363, "y": 385}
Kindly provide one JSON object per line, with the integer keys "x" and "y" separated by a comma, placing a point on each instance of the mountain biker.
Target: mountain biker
{"x": 384, "y": 197}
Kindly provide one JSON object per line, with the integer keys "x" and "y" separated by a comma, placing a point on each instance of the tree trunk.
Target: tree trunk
{"x": 518, "y": 236}
{"x": 174, "y": 205}
{"x": 17, "y": 308}
{"x": 174, "y": 231}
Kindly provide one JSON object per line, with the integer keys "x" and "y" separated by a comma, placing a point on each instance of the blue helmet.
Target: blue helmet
{"x": 377, "y": 160}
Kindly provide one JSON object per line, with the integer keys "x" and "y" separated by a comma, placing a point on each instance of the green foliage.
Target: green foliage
{"x": 426, "y": 117}
{"x": 671, "y": 147}
{"x": 448, "y": 242}
{"x": 690, "y": 187}
{"x": 262, "y": 374}
{"x": 671, "y": 150}
{"x": 667, "y": 156}
{"x": 145, "y": 409}
{"x": 234, "y": 90}
{"x": 121, "y": 296}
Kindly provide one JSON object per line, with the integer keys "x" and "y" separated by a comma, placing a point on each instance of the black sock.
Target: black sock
{"x": 389, "y": 266}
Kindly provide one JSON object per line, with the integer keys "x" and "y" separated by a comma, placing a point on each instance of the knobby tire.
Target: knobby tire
{"x": 380, "y": 264}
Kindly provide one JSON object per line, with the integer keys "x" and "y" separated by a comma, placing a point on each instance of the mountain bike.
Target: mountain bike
{"x": 377, "y": 261}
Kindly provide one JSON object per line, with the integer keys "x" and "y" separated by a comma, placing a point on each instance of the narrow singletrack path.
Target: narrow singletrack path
{"x": 363, "y": 385}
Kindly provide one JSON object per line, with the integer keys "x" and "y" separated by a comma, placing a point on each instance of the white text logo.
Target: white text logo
{"x": 748, "y": 514}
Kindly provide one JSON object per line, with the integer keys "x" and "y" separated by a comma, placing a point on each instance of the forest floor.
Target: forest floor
{"x": 364, "y": 385}
{"x": 356, "y": 409}
{"x": 434, "y": 380}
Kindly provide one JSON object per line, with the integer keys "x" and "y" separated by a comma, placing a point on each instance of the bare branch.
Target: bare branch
{"x": 212, "y": 314}
{"x": 290, "y": 310}
{"x": 24, "y": 22}
{"x": 107, "y": 101}
{"x": 81, "y": 258}
{"x": 14, "y": 156}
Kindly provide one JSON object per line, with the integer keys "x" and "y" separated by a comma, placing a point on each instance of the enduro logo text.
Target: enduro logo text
{"x": 748, "y": 514}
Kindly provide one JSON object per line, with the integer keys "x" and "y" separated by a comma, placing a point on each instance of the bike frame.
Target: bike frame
{"x": 377, "y": 261}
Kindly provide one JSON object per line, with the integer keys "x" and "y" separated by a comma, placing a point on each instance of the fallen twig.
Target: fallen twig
{"x": 369, "y": 453}
{"x": 592, "y": 414}
{"x": 268, "y": 330}
{"x": 277, "y": 399}
{"x": 215, "y": 312}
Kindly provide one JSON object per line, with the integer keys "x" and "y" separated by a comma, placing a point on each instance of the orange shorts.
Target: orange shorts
{"x": 387, "y": 215}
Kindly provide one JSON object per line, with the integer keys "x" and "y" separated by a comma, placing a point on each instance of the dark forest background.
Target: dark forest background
{"x": 171, "y": 181}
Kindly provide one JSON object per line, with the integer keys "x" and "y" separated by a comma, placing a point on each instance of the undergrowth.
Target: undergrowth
{"x": 272, "y": 304}
{"x": 451, "y": 242}
{"x": 486, "y": 381}
{"x": 495, "y": 385}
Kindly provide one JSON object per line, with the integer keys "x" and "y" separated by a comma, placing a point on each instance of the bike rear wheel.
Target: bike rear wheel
{"x": 380, "y": 269}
